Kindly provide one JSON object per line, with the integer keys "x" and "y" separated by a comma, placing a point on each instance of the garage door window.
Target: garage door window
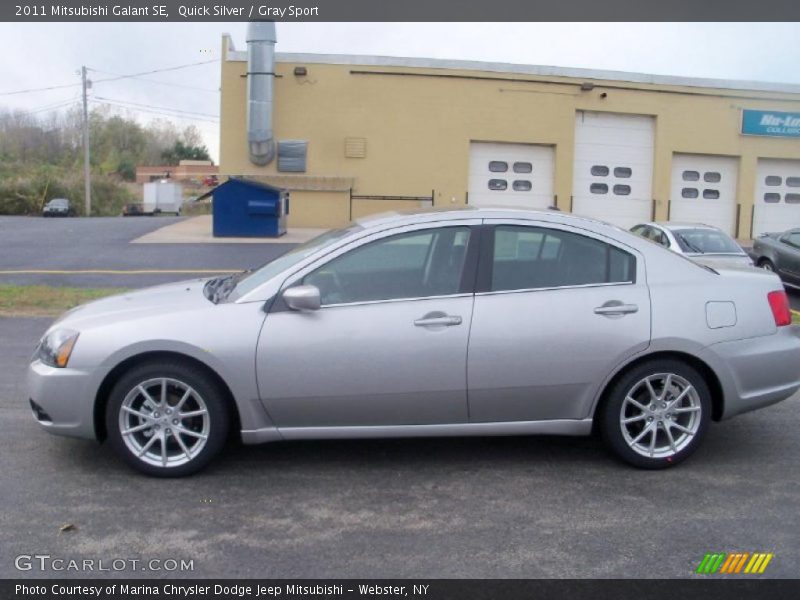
{"x": 532, "y": 258}
{"x": 793, "y": 181}
{"x": 599, "y": 188}
{"x": 523, "y": 167}
{"x": 689, "y": 193}
{"x": 773, "y": 180}
{"x": 712, "y": 177}
{"x": 792, "y": 198}
{"x": 691, "y": 176}
{"x": 498, "y": 185}
{"x": 710, "y": 194}
{"x": 623, "y": 172}
{"x": 521, "y": 185}
{"x": 498, "y": 166}
{"x": 409, "y": 265}
{"x": 599, "y": 171}
{"x": 772, "y": 197}
{"x": 622, "y": 190}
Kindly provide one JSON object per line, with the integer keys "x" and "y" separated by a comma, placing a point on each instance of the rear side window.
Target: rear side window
{"x": 535, "y": 257}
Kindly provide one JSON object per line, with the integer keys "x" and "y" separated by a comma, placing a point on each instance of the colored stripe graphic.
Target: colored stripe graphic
{"x": 734, "y": 562}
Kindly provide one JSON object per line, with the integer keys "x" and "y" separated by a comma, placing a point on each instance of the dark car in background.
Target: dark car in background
{"x": 57, "y": 207}
{"x": 780, "y": 253}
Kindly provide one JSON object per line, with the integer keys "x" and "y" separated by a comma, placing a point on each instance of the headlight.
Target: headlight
{"x": 56, "y": 347}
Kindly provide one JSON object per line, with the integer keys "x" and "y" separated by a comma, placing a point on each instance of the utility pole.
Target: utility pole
{"x": 87, "y": 178}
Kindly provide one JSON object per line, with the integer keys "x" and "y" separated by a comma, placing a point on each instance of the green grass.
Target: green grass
{"x": 795, "y": 317}
{"x": 46, "y": 300}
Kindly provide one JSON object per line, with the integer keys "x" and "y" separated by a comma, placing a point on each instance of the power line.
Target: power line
{"x": 118, "y": 77}
{"x": 42, "y": 89}
{"x": 164, "y": 70}
{"x": 157, "y": 112}
{"x": 168, "y": 108}
{"x": 168, "y": 83}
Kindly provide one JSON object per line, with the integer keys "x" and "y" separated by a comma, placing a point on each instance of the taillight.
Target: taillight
{"x": 779, "y": 303}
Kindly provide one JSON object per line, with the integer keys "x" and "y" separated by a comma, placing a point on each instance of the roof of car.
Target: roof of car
{"x": 679, "y": 225}
{"x": 416, "y": 215}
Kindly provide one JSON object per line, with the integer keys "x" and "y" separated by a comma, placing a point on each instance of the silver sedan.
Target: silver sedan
{"x": 441, "y": 323}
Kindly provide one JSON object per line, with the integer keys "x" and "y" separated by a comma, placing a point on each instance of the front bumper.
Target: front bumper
{"x": 757, "y": 372}
{"x": 64, "y": 399}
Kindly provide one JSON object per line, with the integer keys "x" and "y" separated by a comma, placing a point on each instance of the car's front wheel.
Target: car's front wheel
{"x": 657, "y": 414}
{"x": 167, "y": 419}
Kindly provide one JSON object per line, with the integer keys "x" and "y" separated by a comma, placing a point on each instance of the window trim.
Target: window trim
{"x": 468, "y": 275}
{"x": 483, "y": 284}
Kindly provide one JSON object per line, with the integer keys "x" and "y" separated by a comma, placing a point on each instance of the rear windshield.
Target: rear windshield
{"x": 706, "y": 241}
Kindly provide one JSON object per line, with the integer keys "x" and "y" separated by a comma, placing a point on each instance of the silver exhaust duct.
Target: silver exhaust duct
{"x": 261, "y": 40}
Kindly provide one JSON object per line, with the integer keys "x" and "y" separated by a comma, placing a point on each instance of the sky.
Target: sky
{"x": 50, "y": 54}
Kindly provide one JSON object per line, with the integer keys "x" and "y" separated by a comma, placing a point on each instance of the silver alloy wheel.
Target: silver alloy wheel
{"x": 767, "y": 266}
{"x": 660, "y": 415}
{"x": 164, "y": 422}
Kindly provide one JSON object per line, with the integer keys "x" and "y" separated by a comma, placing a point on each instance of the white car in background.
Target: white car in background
{"x": 702, "y": 243}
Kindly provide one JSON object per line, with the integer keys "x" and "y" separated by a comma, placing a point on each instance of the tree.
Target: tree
{"x": 183, "y": 151}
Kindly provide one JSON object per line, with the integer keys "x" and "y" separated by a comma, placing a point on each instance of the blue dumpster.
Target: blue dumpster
{"x": 246, "y": 208}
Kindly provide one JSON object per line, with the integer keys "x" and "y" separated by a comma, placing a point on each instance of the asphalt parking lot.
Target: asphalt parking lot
{"x": 501, "y": 507}
{"x": 36, "y": 244}
{"x": 473, "y": 508}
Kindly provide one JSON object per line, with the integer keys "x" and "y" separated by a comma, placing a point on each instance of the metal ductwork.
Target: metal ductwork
{"x": 261, "y": 40}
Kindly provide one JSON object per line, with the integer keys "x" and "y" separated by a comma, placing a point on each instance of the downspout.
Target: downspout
{"x": 261, "y": 40}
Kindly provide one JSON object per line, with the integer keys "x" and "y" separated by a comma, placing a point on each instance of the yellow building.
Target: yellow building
{"x": 356, "y": 134}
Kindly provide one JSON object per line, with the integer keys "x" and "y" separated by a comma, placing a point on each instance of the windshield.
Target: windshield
{"x": 58, "y": 202}
{"x": 266, "y": 272}
{"x": 706, "y": 241}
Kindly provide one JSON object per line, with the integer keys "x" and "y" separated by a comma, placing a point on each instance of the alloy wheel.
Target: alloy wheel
{"x": 164, "y": 422}
{"x": 660, "y": 415}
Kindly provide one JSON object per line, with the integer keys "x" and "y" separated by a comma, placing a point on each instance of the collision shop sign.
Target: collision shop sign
{"x": 771, "y": 123}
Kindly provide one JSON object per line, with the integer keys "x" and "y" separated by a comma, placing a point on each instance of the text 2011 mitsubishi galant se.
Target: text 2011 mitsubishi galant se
{"x": 440, "y": 323}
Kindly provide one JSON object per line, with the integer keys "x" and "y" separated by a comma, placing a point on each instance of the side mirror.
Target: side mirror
{"x": 302, "y": 297}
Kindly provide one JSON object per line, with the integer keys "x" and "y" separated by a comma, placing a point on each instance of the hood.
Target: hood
{"x": 158, "y": 300}
{"x": 722, "y": 260}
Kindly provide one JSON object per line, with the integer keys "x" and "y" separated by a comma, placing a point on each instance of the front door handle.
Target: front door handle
{"x": 438, "y": 321}
{"x": 615, "y": 308}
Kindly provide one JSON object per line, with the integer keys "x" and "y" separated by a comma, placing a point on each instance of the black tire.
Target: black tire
{"x": 693, "y": 413}
{"x": 766, "y": 264}
{"x": 211, "y": 398}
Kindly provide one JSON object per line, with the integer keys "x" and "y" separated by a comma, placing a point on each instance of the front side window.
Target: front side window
{"x": 535, "y": 257}
{"x": 417, "y": 264}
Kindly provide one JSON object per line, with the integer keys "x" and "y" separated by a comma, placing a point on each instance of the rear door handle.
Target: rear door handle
{"x": 444, "y": 321}
{"x": 615, "y": 308}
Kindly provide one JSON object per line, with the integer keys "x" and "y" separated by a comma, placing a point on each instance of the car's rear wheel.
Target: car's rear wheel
{"x": 167, "y": 419}
{"x": 657, "y": 414}
{"x": 766, "y": 264}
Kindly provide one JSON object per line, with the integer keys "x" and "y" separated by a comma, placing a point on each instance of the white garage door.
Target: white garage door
{"x": 703, "y": 190}
{"x": 518, "y": 175}
{"x": 613, "y": 173}
{"x": 777, "y": 201}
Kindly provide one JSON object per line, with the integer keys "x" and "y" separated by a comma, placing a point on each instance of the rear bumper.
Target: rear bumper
{"x": 61, "y": 400}
{"x": 757, "y": 372}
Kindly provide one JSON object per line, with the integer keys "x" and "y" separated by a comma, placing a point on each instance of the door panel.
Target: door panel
{"x": 703, "y": 190}
{"x": 613, "y": 169}
{"x": 505, "y": 174}
{"x": 366, "y": 364}
{"x": 389, "y": 344}
{"x": 539, "y": 354}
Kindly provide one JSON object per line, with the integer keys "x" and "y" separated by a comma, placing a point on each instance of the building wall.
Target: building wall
{"x": 418, "y": 123}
